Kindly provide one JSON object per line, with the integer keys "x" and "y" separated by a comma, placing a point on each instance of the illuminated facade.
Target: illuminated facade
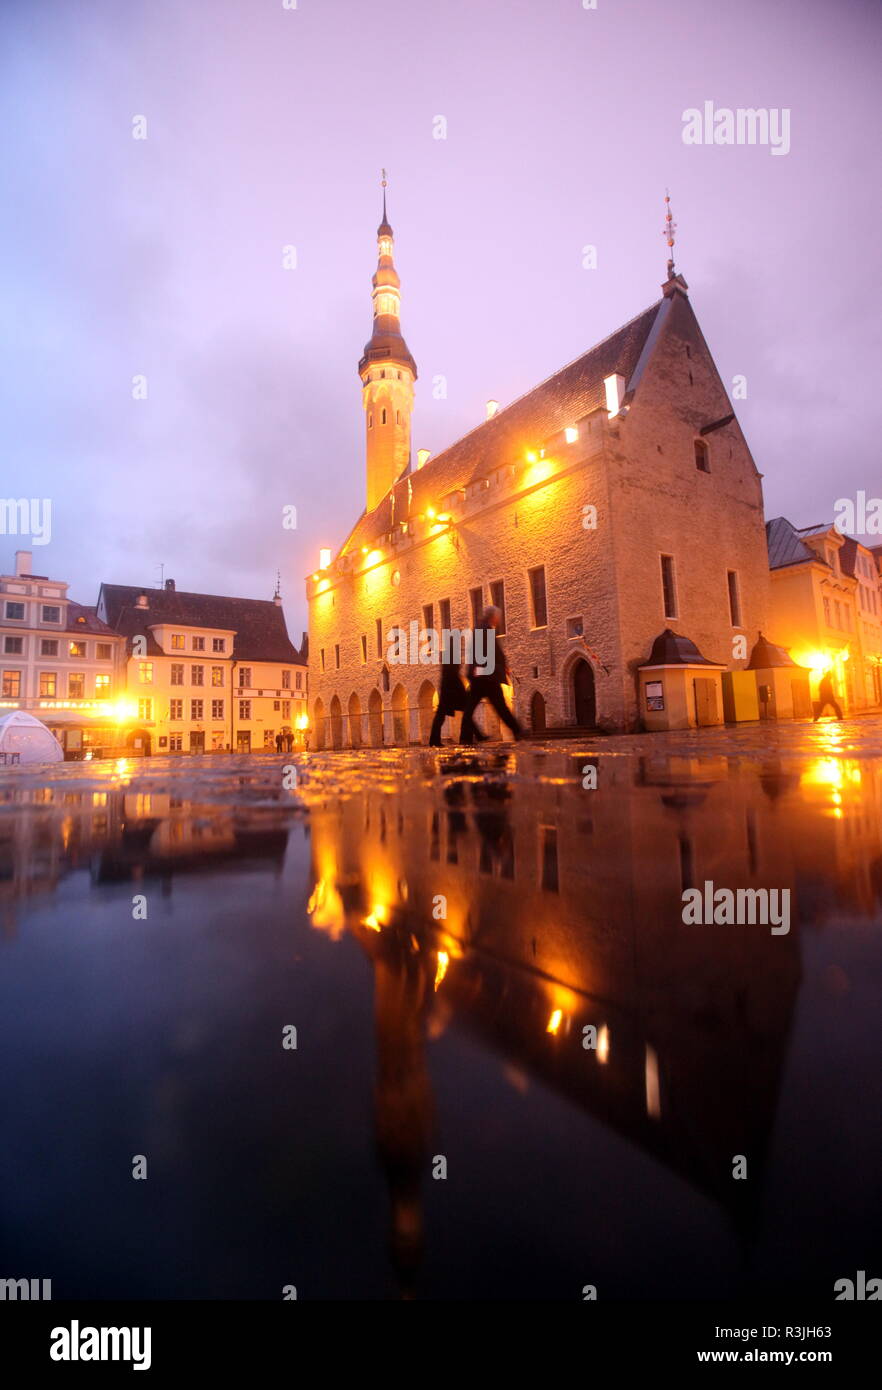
{"x": 615, "y": 500}
{"x": 60, "y": 662}
{"x": 826, "y": 602}
{"x": 206, "y": 673}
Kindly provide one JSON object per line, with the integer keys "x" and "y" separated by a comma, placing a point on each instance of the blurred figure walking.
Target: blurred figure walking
{"x": 488, "y": 673}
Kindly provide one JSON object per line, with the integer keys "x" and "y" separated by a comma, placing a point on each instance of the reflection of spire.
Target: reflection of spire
{"x": 404, "y": 1107}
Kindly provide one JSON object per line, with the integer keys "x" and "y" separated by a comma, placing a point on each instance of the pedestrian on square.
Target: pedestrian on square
{"x": 487, "y": 675}
{"x": 826, "y": 696}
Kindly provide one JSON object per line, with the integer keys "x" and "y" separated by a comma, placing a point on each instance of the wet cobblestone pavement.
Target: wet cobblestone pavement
{"x": 484, "y": 957}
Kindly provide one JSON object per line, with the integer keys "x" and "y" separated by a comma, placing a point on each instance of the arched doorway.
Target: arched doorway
{"x": 583, "y": 694}
{"x": 427, "y": 701}
{"x": 354, "y": 711}
{"x": 318, "y": 716}
{"x": 399, "y": 715}
{"x": 140, "y": 740}
{"x": 537, "y": 713}
{"x": 336, "y": 723}
{"x": 375, "y": 718}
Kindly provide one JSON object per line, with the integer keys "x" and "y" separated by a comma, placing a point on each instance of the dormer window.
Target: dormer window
{"x": 702, "y": 456}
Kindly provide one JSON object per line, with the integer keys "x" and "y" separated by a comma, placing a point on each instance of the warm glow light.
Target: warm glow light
{"x": 302, "y": 721}
{"x": 121, "y": 711}
{"x": 323, "y": 585}
{"x": 374, "y": 557}
{"x": 571, "y": 434}
{"x": 531, "y": 456}
{"x": 324, "y": 558}
{"x": 430, "y": 513}
{"x": 315, "y": 576}
{"x": 376, "y": 918}
{"x": 603, "y": 1044}
{"x": 441, "y": 969}
{"x": 554, "y": 1022}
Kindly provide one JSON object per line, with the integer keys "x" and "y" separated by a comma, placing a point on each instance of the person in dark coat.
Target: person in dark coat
{"x": 452, "y": 695}
{"x": 487, "y": 676}
{"x": 826, "y": 696}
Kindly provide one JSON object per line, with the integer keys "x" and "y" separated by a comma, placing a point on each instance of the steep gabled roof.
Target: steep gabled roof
{"x": 786, "y": 546}
{"x": 561, "y": 400}
{"x": 258, "y": 624}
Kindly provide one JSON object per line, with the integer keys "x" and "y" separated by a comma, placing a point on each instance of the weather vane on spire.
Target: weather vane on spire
{"x": 668, "y": 231}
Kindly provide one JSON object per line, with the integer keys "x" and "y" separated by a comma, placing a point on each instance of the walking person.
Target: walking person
{"x": 487, "y": 675}
{"x": 826, "y": 696}
{"x": 452, "y": 695}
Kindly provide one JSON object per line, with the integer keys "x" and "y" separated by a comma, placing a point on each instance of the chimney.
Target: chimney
{"x": 615, "y": 392}
{"x": 423, "y": 456}
{"x": 141, "y": 601}
{"x": 23, "y": 562}
{"x": 492, "y": 407}
{"x": 169, "y": 586}
{"x": 277, "y": 599}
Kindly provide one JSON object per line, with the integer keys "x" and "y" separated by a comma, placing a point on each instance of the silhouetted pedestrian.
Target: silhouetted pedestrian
{"x": 826, "y": 696}
{"x": 488, "y": 673}
{"x": 452, "y": 694}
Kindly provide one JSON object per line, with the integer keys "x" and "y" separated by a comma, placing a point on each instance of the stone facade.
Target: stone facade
{"x": 630, "y": 454}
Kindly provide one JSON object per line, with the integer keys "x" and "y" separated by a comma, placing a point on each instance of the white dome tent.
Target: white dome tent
{"x": 24, "y": 735}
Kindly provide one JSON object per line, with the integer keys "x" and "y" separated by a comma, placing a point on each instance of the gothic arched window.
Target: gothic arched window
{"x": 383, "y": 417}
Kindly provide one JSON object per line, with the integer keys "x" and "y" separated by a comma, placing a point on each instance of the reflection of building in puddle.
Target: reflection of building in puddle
{"x": 531, "y": 914}
{"x": 116, "y": 835}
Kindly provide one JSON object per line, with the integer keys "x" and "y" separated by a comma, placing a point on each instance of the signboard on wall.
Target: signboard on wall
{"x": 655, "y": 699}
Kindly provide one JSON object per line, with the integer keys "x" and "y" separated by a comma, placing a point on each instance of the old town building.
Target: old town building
{"x": 60, "y": 662}
{"x": 614, "y": 501}
{"x": 826, "y": 595}
{"x": 206, "y": 673}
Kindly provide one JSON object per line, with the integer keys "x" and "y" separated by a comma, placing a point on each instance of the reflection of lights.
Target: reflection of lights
{"x": 441, "y": 969}
{"x": 603, "y": 1044}
{"x": 824, "y": 772}
{"x": 376, "y": 918}
{"x": 317, "y": 896}
{"x": 554, "y": 1022}
{"x": 653, "y": 1094}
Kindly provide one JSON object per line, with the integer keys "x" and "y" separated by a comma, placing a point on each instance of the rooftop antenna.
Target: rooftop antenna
{"x": 668, "y": 232}
{"x": 278, "y": 593}
{"x": 161, "y": 568}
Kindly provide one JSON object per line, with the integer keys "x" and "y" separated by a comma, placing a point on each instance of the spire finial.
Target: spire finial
{"x": 668, "y": 232}
{"x": 383, "y": 185}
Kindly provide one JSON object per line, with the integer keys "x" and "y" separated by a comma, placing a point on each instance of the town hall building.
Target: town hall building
{"x": 613, "y": 514}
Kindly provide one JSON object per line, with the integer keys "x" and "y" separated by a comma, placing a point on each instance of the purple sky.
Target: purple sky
{"x": 268, "y": 127}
